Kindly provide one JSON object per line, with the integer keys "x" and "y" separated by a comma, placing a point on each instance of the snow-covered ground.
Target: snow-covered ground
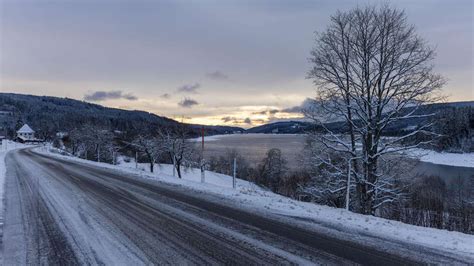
{"x": 444, "y": 158}
{"x": 191, "y": 174}
{"x": 250, "y": 197}
{"x": 5, "y": 147}
{"x": 211, "y": 138}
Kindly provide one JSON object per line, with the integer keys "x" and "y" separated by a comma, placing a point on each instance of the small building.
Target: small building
{"x": 26, "y": 134}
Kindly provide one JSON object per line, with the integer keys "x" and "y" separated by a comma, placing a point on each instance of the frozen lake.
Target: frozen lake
{"x": 254, "y": 147}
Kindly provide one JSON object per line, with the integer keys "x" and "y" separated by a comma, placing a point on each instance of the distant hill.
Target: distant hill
{"x": 48, "y": 115}
{"x": 300, "y": 127}
{"x": 284, "y": 127}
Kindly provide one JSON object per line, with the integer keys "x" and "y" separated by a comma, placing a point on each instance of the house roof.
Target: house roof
{"x": 25, "y": 129}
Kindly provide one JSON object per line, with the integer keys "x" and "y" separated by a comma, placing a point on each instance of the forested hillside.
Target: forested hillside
{"x": 49, "y": 115}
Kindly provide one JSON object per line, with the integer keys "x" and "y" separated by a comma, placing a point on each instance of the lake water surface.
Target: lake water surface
{"x": 254, "y": 147}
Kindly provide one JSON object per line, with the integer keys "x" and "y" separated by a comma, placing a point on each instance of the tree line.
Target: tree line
{"x": 169, "y": 144}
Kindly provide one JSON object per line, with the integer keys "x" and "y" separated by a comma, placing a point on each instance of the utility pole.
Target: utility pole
{"x": 113, "y": 157}
{"x": 233, "y": 176}
{"x": 98, "y": 153}
{"x": 203, "y": 175}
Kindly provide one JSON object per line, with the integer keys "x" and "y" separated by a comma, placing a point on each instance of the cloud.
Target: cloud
{"x": 306, "y": 104}
{"x": 165, "y": 96}
{"x": 98, "y": 96}
{"x": 274, "y": 111}
{"x": 217, "y": 75}
{"x": 269, "y": 112}
{"x": 227, "y": 119}
{"x": 238, "y": 121}
{"x": 189, "y": 88}
{"x": 188, "y": 103}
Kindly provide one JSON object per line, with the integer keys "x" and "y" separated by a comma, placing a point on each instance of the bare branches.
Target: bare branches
{"x": 371, "y": 70}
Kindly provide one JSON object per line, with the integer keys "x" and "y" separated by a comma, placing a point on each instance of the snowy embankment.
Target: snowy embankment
{"x": 5, "y": 147}
{"x": 361, "y": 228}
{"x": 444, "y": 158}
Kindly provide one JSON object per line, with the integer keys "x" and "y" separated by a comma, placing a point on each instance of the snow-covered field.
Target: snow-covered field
{"x": 444, "y": 158}
{"x": 250, "y": 197}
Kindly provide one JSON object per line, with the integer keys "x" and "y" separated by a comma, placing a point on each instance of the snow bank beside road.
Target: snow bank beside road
{"x": 5, "y": 147}
{"x": 361, "y": 228}
{"x": 444, "y": 158}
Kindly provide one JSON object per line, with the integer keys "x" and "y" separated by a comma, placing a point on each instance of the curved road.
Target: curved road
{"x": 65, "y": 212}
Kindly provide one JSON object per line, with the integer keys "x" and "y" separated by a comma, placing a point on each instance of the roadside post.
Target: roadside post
{"x": 203, "y": 174}
{"x": 233, "y": 176}
{"x": 136, "y": 159}
{"x": 348, "y": 189}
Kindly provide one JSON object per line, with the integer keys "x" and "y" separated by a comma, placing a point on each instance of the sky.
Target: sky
{"x": 222, "y": 62}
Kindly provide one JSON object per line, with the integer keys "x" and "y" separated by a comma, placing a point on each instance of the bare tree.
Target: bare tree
{"x": 149, "y": 145}
{"x": 272, "y": 169}
{"x": 175, "y": 142}
{"x": 371, "y": 70}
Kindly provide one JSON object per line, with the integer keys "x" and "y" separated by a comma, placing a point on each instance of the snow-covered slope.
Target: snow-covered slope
{"x": 336, "y": 221}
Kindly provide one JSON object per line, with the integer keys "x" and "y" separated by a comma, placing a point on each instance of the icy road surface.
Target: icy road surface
{"x": 65, "y": 212}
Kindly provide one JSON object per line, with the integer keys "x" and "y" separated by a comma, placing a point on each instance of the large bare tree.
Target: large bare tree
{"x": 371, "y": 70}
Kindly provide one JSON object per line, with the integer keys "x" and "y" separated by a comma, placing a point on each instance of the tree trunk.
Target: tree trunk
{"x": 178, "y": 169}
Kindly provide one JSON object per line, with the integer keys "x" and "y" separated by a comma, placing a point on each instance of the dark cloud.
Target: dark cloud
{"x": 189, "y": 88}
{"x": 188, "y": 103}
{"x": 165, "y": 96}
{"x": 306, "y": 104}
{"x": 217, "y": 75}
{"x": 274, "y": 111}
{"x": 237, "y": 121}
{"x": 227, "y": 119}
{"x": 260, "y": 113}
{"x": 98, "y": 96}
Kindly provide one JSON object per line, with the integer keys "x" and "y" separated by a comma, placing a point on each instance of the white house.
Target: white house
{"x": 25, "y": 133}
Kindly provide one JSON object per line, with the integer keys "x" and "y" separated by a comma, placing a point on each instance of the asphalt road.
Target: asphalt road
{"x": 62, "y": 212}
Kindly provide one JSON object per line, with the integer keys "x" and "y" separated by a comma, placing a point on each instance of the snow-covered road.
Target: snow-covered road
{"x": 66, "y": 212}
